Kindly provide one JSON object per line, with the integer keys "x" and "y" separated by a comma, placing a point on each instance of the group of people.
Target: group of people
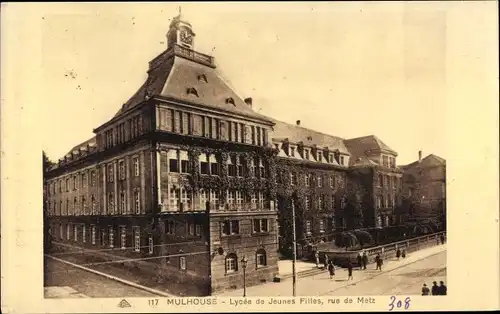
{"x": 436, "y": 290}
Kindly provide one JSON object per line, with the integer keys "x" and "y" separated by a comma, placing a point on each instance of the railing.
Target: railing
{"x": 386, "y": 250}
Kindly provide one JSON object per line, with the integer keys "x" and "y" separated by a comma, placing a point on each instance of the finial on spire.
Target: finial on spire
{"x": 180, "y": 10}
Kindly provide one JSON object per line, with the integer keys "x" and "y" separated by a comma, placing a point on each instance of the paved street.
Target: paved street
{"x": 398, "y": 277}
{"x": 89, "y": 284}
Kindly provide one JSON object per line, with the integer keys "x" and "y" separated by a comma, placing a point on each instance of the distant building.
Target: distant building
{"x": 183, "y": 172}
{"x": 424, "y": 189}
{"x": 373, "y": 166}
{"x": 311, "y": 173}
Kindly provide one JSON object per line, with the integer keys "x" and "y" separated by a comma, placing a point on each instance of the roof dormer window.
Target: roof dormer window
{"x": 202, "y": 78}
{"x": 230, "y": 100}
{"x": 192, "y": 91}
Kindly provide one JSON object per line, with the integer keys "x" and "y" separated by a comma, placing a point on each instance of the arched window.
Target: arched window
{"x": 261, "y": 258}
{"x": 231, "y": 263}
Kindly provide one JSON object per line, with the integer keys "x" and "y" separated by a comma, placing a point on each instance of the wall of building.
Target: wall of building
{"x": 246, "y": 243}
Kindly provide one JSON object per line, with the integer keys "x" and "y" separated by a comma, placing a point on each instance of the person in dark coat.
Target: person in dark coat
{"x": 349, "y": 271}
{"x": 442, "y": 288}
{"x": 365, "y": 260}
{"x": 325, "y": 262}
{"x": 435, "y": 288}
{"x": 378, "y": 261}
{"x": 425, "y": 290}
{"x": 360, "y": 260}
{"x": 403, "y": 254}
{"x": 331, "y": 269}
{"x": 398, "y": 253}
{"x": 442, "y": 239}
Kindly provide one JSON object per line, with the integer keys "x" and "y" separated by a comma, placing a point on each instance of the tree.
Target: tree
{"x": 353, "y": 196}
{"x": 46, "y": 165}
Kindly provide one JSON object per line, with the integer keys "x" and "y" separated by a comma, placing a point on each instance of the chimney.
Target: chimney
{"x": 419, "y": 156}
{"x": 248, "y": 101}
{"x": 298, "y": 122}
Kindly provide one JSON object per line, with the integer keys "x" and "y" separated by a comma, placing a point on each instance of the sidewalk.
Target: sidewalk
{"x": 62, "y": 293}
{"x": 313, "y": 285}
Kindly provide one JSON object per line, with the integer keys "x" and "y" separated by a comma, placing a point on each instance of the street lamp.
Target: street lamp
{"x": 244, "y": 262}
{"x": 294, "y": 273}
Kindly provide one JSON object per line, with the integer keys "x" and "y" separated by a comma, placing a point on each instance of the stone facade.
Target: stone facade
{"x": 162, "y": 179}
{"x": 424, "y": 187}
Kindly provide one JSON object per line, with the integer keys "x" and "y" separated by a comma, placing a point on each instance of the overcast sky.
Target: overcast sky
{"x": 346, "y": 69}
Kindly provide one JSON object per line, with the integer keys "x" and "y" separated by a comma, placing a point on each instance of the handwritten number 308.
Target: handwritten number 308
{"x": 399, "y": 303}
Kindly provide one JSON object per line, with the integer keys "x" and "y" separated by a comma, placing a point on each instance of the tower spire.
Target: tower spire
{"x": 180, "y": 11}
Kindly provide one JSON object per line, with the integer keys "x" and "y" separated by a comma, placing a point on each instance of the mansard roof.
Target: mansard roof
{"x": 296, "y": 134}
{"x": 360, "y": 146}
{"x": 175, "y": 72}
{"x": 430, "y": 160}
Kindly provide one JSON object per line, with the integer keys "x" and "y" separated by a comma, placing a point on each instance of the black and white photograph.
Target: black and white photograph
{"x": 295, "y": 152}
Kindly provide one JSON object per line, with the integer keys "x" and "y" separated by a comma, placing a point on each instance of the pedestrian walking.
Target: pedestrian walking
{"x": 442, "y": 288}
{"x": 360, "y": 260}
{"x": 425, "y": 290}
{"x": 349, "y": 271}
{"x": 403, "y": 254}
{"x": 379, "y": 262}
{"x": 442, "y": 239}
{"x": 331, "y": 270}
{"x": 435, "y": 288}
{"x": 365, "y": 260}
{"x": 325, "y": 262}
{"x": 316, "y": 255}
{"x": 398, "y": 253}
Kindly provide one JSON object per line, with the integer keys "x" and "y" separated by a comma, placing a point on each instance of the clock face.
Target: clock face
{"x": 186, "y": 37}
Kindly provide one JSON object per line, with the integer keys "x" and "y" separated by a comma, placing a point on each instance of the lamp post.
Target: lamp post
{"x": 244, "y": 262}
{"x": 294, "y": 274}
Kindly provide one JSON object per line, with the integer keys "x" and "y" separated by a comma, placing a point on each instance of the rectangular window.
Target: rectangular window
{"x": 321, "y": 226}
{"x": 123, "y": 203}
{"x": 137, "y": 239}
{"x": 75, "y": 229}
{"x": 306, "y": 180}
{"x": 68, "y": 231}
{"x": 84, "y": 236}
{"x": 137, "y": 202}
{"x": 198, "y": 230}
{"x": 214, "y": 165}
{"x": 306, "y": 151}
{"x": 92, "y": 178}
{"x": 293, "y": 179}
{"x": 150, "y": 244}
{"x": 204, "y": 164}
{"x": 170, "y": 227}
{"x": 330, "y": 180}
{"x": 307, "y": 204}
{"x": 259, "y": 137}
{"x": 197, "y": 125}
{"x": 110, "y": 173}
{"x": 253, "y": 135}
{"x": 121, "y": 170}
{"x": 230, "y": 227}
{"x": 191, "y": 229}
{"x": 320, "y": 181}
{"x": 136, "y": 166}
{"x": 308, "y": 227}
{"x": 167, "y": 116}
{"x": 123, "y": 237}
{"x": 185, "y": 123}
{"x": 292, "y": 151}
{"x": 182, "y": 262}
{"x": 213, "y": 128}
{"x": 177, "y": 121}
{"x": 260, "y": 226}
{"x": 93, "y": 234}
{"x": 111, "y": 237}
{"x": 342, "y": 160}
{"x": 111, "y": 202}
{"x": 320, "y": 202}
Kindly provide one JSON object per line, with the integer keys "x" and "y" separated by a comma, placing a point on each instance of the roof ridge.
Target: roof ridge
{"x": 319, "y": 132}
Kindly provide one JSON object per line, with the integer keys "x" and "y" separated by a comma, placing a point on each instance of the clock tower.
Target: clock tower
{"x": 180, "y": 33}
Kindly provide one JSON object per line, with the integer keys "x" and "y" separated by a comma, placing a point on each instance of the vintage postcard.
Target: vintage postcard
{"x": 234, "y": 157}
